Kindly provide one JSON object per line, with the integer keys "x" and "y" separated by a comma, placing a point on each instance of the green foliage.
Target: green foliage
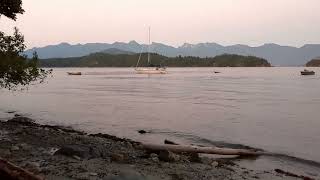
{"x": 15, "y": 69}
{"x": 125, "y": 60}
{"x": 314, "y": 63}
{"x": 10, "y": 8}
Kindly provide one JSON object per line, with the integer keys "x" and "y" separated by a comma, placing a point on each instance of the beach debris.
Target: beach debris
{"x": 196, "y": 149}
{"x": 286, "y": 173}
{"x": 11, "y": 171}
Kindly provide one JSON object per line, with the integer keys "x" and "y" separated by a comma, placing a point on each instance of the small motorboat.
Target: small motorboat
{"x": 216, "y": 72}
{"x": 307, "y": 72}
{"x": 74, "y": 73}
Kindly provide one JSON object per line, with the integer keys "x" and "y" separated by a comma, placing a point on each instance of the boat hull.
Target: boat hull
{"x": 307, "y": 73}
{"x": 74, "y": 73}
{"x": 151, "y": 71}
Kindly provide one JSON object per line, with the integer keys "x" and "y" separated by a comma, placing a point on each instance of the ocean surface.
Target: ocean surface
{"x": 274, "y": 109}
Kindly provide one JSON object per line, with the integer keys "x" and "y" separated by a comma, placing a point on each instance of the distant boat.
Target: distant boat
{"x": 74, "y": 73}
{"x": 307, "y": 72}
{"x": 216, "y": 72}
{"x": 150, "y": 69}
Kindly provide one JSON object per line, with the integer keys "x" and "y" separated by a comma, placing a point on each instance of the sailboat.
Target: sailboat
{"x": 150, "y": 69}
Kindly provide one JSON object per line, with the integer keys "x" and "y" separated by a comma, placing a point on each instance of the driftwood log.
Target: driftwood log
{"x": 196, "y": 149}
{"x": 12, "y": 172}
{"x": 286, "y": 173}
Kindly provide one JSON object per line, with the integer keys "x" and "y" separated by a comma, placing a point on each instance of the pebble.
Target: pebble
{"x": 5, "y": 152}
{"x": 33, "y": 166}
{"x": 117, "y": 157}
{"x": 76, "y": 157}
{"x": 154, "y": 157}
{"x": 15, "y": 148}
{"x": 25, "y": 146}
{"x": 93, "y": 174}
{"x": 214, "y": 164}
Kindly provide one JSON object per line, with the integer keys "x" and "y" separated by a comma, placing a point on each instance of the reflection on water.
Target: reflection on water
{"x": 274, "y": 109}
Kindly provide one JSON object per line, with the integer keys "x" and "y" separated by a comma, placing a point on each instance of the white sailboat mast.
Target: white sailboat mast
{"x": 149, "y": 47}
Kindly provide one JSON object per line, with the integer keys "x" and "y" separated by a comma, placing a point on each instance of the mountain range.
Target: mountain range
{"x": 276, "y": 54}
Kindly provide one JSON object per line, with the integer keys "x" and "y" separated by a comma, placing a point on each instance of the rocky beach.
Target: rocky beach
{"x": 54, "y": 152}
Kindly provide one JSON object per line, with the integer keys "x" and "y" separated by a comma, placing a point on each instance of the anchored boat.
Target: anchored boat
{"x": 307, "y": 72}
{"x": 74, "y": 73}
{"x": 150, "y": 69}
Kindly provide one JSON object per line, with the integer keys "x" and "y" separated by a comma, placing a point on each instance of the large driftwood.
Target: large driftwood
{"x": 196, "y": 149}
{"x": 11, "y": 172}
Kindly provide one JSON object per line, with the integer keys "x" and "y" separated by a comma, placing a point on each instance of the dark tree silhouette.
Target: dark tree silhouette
{"x": 16, "y": 69}
{"x": 11, "y": 8}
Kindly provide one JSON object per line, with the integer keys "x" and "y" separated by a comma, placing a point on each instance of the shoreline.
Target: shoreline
{"x": 56, "y": 152}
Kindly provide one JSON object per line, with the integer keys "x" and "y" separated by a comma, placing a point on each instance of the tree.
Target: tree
{"x": 11, "y": 8}
{"x": 16, "y": 69}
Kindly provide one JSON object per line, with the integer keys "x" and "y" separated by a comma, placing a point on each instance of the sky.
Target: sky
{"x": 173, "y": 22}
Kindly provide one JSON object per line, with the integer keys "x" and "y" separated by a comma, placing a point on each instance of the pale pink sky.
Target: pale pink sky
{"x": 174, "y": 22}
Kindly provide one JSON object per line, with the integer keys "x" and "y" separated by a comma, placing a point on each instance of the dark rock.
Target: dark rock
{"x": 176, "y": 176}
{"x": 194, "y": 157}
{"x": 168, "y": 156}
{"x": 74, "y": 150}
{"x": 117, "y": 157}
{"x": 99, "y": 151}
{"x": 22, "y": 120}
{"x": 169, "y": 142}
{"x": 142, "y": 131}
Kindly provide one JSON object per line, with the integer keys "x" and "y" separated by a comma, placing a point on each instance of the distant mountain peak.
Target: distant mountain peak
{"x": 133, "y": 42}
{"x": 64, "y": 44}
{"x": 187, "y": 45}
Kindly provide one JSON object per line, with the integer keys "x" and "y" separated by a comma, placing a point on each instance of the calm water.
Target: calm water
{"x": 275, "y": 109}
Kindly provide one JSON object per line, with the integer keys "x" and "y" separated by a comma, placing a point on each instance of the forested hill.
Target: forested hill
{"x": 314, "y": 63}
{"x": 130, "y": 60}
